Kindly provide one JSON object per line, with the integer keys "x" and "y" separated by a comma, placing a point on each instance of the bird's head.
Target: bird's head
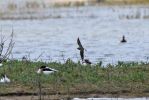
{"x": 43, "y": 66}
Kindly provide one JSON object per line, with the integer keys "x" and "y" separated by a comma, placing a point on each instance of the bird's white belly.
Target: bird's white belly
{"x": 2, "y": 80}
{"x": 48, "y": 72}
{"x": 1, "y": 64}
{"x": 7, "y": 80}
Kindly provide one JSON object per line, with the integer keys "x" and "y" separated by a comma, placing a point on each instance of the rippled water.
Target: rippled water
{"x": 100, "y": 30}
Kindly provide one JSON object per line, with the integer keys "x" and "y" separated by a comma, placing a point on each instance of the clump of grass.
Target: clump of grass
{"x": 12, "y": 6}
{"x": 128, "y": 2}
{"x": 69, "y": 4}
{"x": 32, "y": 5}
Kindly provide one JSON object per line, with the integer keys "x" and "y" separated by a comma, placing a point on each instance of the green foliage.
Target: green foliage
{"x": 72, "y": 76}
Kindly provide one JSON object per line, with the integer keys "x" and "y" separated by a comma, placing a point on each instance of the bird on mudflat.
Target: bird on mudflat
{"x": 123, "y": 39}
{"x": 81, "y": 48}
{"x": 46, "y": 70}
{"x": 4, "y": 79}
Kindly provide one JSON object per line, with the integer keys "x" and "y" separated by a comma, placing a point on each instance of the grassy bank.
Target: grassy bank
{"x": 35, "y": 9}
{"x": 32, "y": 5}
{"x": 126, "y": 2}
{"x": 131, "y": 79}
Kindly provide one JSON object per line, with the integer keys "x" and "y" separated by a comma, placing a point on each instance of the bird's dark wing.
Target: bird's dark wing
{"x": 87, "y": 61}
{"x": 82, "y": 54}
{"x": 47, "y": 69}
{"x": 79, "y": 43}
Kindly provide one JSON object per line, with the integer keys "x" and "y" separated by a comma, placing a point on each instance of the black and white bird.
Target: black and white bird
{"x": 24, "y": 59}
{"x": 87, "y": 61}
{"x": 4, "y": 79}
{"x": 1, "y": 64}
{"x": 46, "y": 70}
{"x": 123, "y": 39}
{"x": 81, "y": 48}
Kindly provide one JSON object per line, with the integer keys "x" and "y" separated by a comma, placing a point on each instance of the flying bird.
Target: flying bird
{"x": 81, "y": 48}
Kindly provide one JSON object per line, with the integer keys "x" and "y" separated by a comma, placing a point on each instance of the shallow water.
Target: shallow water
{"x": 112, "y": 99}
{"x": 100, "y": 30}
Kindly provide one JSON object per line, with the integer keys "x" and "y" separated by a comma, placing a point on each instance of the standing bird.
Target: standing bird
{"x": 1, "y": 64}
{"x": 81, "y": 49}
{"x": 24, "y": 59}
{"x": 4, "y": 79}
{"x": 46, "y": 70}
{"x": 123, "y": 39}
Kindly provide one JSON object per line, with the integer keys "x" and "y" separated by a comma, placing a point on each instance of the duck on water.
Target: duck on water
{"x": 123, "y": 39}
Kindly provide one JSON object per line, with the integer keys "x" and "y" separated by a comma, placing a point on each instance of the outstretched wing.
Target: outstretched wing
{"x": 82, "y": 54}
{"x": 79, "y": 43}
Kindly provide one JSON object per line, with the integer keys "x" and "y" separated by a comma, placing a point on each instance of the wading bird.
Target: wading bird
{"x": 24, "y": 59}
{"x": 4, "y": 79}
{"x": 46, "y": 70}
{"x": 1, "y": 64}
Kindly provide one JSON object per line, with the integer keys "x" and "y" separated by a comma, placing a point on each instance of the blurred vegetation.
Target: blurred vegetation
{"x": 126, "y": 1}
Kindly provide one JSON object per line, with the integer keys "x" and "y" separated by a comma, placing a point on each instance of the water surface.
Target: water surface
{"x": 113, "y": 99}
{"x": 100, "y": 30}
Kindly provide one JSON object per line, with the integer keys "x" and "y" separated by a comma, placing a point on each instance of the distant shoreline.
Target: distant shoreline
{"x": 39, "y": 13}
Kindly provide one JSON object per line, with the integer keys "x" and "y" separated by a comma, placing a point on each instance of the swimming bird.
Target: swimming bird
{"x": 123, "y": 39}
{"x": 81, "y": 48}
{"x": 46, "y": 70}
{"x": 4, "y": 79}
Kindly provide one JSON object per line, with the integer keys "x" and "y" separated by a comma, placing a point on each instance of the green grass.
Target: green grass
{"x": 74, "y": 77}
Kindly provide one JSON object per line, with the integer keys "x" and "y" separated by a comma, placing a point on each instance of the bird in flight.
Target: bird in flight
{"x": 81, "y": 48}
